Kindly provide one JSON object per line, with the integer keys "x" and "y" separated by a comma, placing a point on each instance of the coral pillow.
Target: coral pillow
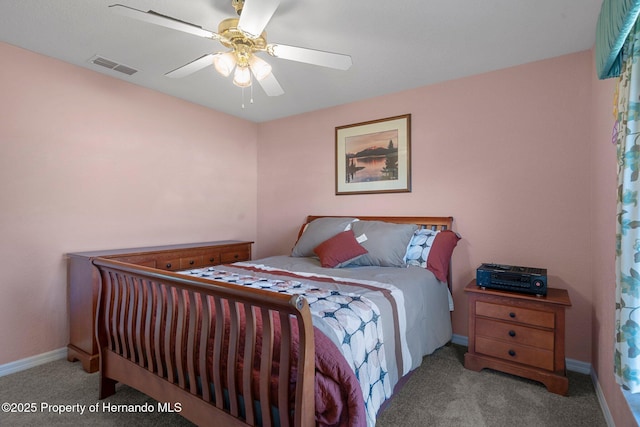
{"x": 440, "y": 254}
{"x": 339, "y": 250}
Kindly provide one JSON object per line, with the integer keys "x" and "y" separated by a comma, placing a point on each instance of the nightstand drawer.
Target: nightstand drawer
{"x": 513, "y": 352}
{"x": 513, "y": 313}
{"x": 513, "y": 333}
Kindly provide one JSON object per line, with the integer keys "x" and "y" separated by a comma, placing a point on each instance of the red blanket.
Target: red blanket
{"x": 338, "y": 396}
{"x": 339, "y": 399}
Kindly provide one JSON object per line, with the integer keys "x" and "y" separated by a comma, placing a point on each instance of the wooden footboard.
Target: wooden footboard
{"x": 210, "y": 348}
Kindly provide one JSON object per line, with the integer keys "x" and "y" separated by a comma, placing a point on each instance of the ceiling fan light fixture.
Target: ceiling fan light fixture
{"x": 259, "y": 67}
{"x": 242, "y": 77}
{"x": 224, "y": 63}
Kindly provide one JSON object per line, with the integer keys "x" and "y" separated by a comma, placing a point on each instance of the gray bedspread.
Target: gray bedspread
{"x": 422, "y": 307}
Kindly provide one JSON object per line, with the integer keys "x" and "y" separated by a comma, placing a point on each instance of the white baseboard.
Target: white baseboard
{"x": 460, "y": 340}
{"x": 30, "y": 362}
{"x": 578, "y": 366}
{"x": 603, "y": 403}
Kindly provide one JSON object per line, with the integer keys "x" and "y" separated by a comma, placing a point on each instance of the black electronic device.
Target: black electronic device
{"x": 528, "y": 280}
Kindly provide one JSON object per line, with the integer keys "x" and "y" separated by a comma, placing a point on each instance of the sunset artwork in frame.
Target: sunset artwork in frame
{"x": 374, "y": 156}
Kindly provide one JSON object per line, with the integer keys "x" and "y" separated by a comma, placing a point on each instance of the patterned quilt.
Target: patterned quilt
{"x": 351, "y": 320}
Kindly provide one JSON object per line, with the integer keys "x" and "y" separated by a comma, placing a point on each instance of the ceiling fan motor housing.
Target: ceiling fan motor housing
{"x": 242, "y": 45}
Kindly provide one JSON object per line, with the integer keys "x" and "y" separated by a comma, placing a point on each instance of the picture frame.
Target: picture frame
{"x": 374, "y": 156}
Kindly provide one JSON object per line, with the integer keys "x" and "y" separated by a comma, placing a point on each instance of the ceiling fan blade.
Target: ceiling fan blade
{"x": 164, "y": 21}
{"x": 310, "y": 56}
{"x": 191, "y": 67}
{"x": 256, "y": 15}
{"x": 271, "y": 86}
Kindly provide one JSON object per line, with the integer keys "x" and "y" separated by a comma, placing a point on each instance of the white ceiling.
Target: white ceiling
{"x": 395, "y": 45}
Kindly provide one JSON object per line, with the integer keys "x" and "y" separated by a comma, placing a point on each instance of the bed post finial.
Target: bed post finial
{"x": 298, "y": 301}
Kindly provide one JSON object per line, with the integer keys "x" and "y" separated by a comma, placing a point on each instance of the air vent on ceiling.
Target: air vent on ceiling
{"x": 107, "y": 63}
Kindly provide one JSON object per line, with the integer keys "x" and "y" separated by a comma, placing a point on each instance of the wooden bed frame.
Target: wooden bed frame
{"x": 167, "y": 359}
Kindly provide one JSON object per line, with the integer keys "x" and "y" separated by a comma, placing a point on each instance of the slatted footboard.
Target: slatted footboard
{"x": 212, "y": 348}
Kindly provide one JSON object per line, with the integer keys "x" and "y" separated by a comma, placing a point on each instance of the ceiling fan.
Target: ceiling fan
{"x": 244, "y": 37}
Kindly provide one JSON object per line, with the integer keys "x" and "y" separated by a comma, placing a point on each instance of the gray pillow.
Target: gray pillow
{"x": 317, "y": 231}
{"x": 385, "y": 242}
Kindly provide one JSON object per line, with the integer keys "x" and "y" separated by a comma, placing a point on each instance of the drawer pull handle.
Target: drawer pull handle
{"x": 236, "y": 256}
{"x": 212, "y": 259}
{"x": 512, "y": 333}
{"x": 512, "y": 353}
{"x": 512, "y": 315}
{"x": 168, "y": 265}
{"x": 191, "y": 262}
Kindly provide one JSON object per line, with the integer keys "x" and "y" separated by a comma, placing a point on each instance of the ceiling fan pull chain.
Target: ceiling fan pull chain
{"x": 243, "y": 98}
{"x": 251, "y": 89}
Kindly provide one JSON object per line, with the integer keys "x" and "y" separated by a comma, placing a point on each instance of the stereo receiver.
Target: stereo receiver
{"x": 514, "y": 278}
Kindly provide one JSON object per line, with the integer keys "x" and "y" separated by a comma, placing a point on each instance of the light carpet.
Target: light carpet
{"x": 439, "y": 393}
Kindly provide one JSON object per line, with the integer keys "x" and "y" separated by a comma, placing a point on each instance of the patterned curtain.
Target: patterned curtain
{"x": 627, "y": 137}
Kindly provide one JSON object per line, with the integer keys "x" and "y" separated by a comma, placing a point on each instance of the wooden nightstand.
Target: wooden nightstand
{"x": 518, "y": 334}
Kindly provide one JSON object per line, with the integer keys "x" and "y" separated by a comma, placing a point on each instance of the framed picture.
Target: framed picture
{"x": 374, "y": 157}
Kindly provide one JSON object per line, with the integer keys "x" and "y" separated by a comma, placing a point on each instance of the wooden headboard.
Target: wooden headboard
{"x": 438, "y": 223}
{"x": 430, "y": 222}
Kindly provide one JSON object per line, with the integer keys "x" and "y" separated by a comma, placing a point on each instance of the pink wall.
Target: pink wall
{"x": 91, "y": 162}
{"x": 505, "y": 153}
